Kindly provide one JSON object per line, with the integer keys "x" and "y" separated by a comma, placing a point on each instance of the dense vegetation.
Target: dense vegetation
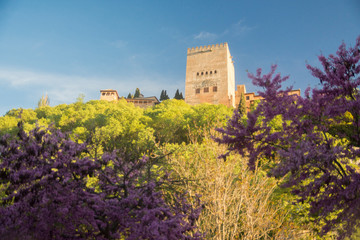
{"x": 314, "y": 142}
{"x": 109, "y": 170}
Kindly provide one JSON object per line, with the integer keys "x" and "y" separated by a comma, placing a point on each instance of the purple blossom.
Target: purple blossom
{"x": 316, "y": 143}
{"x": 45, "y": 194}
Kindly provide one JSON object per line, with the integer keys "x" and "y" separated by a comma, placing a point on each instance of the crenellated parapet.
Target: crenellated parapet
{"x": 208, "y": 48}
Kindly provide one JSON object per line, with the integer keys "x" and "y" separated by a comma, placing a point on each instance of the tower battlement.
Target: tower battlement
{"x": 210, "y": 75}
{"x": 207, "y": 48}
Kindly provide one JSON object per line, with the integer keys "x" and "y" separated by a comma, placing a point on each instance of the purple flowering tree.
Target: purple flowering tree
{"x": 316, "y": 141}
{"x": 45, "y": 194}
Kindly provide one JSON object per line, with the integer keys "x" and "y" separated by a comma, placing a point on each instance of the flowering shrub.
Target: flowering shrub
{"x": 316, "y": 141}
{"x": 46, "y": 193}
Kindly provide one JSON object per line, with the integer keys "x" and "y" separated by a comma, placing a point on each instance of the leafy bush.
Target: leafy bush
{"x": 318, "y": 157}
{"x": 51, "y": 190}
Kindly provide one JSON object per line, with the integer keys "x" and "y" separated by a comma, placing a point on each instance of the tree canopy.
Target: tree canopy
{"x": 137, "y": 93}
{"x": 164, "y": 95}
{"x": 317, "y": 142}
{"x": 46, "y": 193}
{"x": 178, "y": 95}
{"x": 242, "y": 105}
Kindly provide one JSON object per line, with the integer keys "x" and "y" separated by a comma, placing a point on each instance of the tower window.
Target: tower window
{"x": 215, "y": 89}
{"x": 202, "y": 73}
{"x": 206, "y": 73}
{"x": 197, "y": 74}
{"x": 247, "y": 98}
{"x": 197, "y": 91}
{"x": 206, "y": 89}
{"x": 210, "y": 72}
{"x": 215, "y": 71}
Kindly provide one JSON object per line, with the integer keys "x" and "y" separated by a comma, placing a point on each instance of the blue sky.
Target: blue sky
{"x": 71, "y": 47}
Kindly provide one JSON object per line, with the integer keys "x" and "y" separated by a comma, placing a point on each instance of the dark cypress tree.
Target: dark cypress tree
{"x": 181, "y": 96}
{"x": 166, "y": 96}
{"x": 129, "y": 96}
{"x": 137, "y": 93}
{"x": 242, "y": 105}
{"x": 177, "y": 94}
{"x": 162, "y": 95}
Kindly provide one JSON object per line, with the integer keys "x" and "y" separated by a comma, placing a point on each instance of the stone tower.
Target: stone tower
{"x": 210, "y": 75}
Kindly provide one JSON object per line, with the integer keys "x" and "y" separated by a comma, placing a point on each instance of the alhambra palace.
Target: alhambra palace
{"x": 210, "y": 78}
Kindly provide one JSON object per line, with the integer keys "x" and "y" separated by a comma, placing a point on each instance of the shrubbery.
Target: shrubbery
{"x": 105, "y": 170}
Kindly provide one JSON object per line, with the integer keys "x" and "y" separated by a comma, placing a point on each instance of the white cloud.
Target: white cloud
{"x": 60, "y": 88}
{"x": 66, "y": 88}
{"x": 205, "y": 36}
{"x": 240, "y": 28}
{"x": 236, "y": 29}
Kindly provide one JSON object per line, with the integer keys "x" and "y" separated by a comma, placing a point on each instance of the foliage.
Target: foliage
{"x": 242, "y": 105}
{"x": 137, "y": 93}
{"x": 107, "y": 125}
{"x": 80, "y": 98}
{"x": 164, "y": 96}
{"x": 44, "y": 101}
{"x": 238, "y": 203}
{"x": 318, "y": 158}
{"x": 45, "y": 194}
{"x": 129, "y": 96}
{"x": 102, "y": 125}
{"x": 169, "y": 120}
{"x": 176, "y": 121}
{"x": 205, "y": 118}
{"x": 178, "y": 95}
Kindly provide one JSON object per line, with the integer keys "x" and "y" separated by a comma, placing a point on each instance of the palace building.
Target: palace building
{"x": 210, "y": 78}
{"x": 210, "y": 75}
{"x": 143, "y": 102}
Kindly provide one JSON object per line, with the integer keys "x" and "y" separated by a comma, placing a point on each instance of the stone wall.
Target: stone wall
{"x": 210, "y": 75}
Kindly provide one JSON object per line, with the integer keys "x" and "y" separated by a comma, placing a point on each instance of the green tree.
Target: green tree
{"x": 206, "y": 117}
{"x": 137, "y": 93}
{"x": 164, "y": 95}
{"x": 161, "y": 95}
{"x": 170, "y": 120}
{"x": 176, "y": 121}
{"x": 129, "y": 96}
{"x": 80, "y": 98}
{"x": 177, "y": 95}
{"x": 102, "y": 125}
{"x": 242, "y": 105}
{"x": 239, "y": 203}
{"x": 44, "y": 101}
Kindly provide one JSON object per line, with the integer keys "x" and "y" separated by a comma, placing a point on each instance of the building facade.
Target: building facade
{"x": 210, "y": 75}
{"x": 210, "y": 78}
{"x": 143, "y": 102}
